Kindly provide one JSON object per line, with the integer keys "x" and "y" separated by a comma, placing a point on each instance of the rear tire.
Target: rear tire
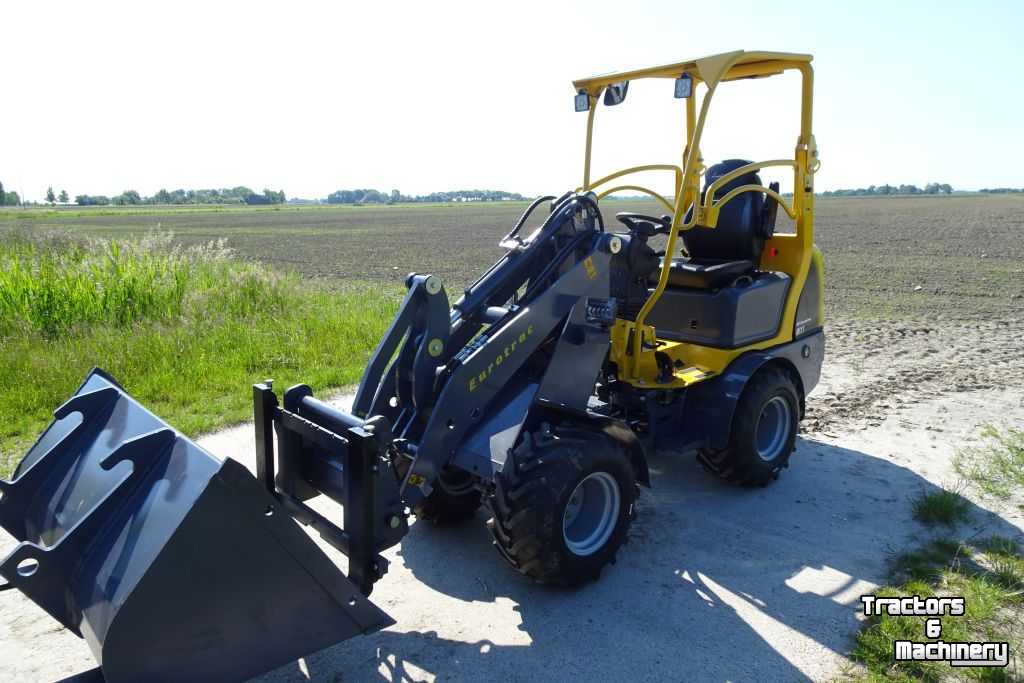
{"x": 453, "y": 499}
{"x": 563, "y": 507}
{"x": 764, "y": 428}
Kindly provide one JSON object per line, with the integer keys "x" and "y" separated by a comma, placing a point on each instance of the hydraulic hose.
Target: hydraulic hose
{"x": 563, "y": 210}
{"x": 554, "y": 263}
{"x": 597, "y": 212}
{"x": 526, "y": 214}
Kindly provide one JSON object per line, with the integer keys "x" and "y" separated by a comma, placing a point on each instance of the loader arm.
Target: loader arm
{"x": 437, "y": 372}
{"x": 488, "y": 364}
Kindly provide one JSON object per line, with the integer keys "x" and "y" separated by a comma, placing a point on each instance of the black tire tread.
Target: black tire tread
{"x": 729, "y": 464}
{"x": 520, "y": 523}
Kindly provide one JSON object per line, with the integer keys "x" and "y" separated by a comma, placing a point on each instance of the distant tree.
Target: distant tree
{"x": 128, "y": 198}
{"x": 257, "y": 199}
{"x": 273, "y": 197}
{"x": 946, "y": 188}
{"x": 11, "y": 199}
{"x": 91, "y": 200}
{"x": 3, "y": 197}
{"x": 63, "y": 197}
{"x": 50, "y": 196}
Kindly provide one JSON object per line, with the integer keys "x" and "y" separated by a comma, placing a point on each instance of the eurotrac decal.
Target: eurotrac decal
{"x": 499, "y": 358}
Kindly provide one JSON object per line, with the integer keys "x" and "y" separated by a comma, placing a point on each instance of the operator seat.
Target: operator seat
{"x": 720, "y": 255}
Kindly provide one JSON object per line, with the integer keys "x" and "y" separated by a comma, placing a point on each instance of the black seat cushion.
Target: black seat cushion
{"x": 738, "y": 234}
{"x": 720, "y": 255}
{"x": 706, "y": 273}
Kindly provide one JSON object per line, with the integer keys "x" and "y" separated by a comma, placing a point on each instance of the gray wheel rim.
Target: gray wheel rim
{"x": 773, "y": 425}
{"x": 591, "y": 513}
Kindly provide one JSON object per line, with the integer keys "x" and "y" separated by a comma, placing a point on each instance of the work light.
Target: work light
{"x": 684, "y": 87}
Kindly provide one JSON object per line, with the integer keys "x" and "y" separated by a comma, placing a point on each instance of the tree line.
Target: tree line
{"x": 244, "y": 195}
{"x": 234, "y": 195}
{"x": 872, "y": 190}
{"x": 368, "y": 196}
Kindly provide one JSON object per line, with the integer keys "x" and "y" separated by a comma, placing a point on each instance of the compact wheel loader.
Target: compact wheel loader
{"x": 537, "y": 395}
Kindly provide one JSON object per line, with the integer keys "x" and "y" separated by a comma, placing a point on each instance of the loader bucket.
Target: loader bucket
{"x": 171, "y": 564}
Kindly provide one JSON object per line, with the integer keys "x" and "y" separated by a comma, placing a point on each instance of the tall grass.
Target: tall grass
{"x": 185, "y": 330}
{"x": 52, "y": 285}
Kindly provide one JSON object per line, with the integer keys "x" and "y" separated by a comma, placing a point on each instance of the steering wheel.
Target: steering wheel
{"x": 643, "y": 225}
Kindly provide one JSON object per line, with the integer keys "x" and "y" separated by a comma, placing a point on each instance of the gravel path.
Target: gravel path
{"x": 717, "y": 583}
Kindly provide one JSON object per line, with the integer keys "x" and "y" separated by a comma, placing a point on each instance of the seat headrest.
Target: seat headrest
{"x": 738, "y": 235}
{"x": 720, "y": 169}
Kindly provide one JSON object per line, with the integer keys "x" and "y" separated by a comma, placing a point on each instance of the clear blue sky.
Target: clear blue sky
{"x": 313, "y": 97}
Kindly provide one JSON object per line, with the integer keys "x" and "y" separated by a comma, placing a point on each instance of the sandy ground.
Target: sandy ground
{"x": 717, "y": 583}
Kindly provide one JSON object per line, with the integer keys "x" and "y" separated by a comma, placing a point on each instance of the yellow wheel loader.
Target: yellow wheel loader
{"x": 537, "y": 395}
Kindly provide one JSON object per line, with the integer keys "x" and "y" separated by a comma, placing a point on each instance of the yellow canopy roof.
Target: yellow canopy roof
{"x": 740, "y": 64}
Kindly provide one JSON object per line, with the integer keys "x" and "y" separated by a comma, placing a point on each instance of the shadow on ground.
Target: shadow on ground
{"x": 717, "y": 583}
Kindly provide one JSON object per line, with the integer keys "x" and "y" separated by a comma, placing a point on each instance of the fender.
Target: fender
{"x": 712, "y": 403}
{"x": 620, "y": 431}
{"x": 617, "y": 430}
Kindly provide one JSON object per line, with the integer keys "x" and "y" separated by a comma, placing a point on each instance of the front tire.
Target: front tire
{"x": 764, "y": 428}
{"x": 563, "y": 506}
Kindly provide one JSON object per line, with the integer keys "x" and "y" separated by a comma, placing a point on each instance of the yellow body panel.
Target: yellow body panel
{"x": 634, "y": 343}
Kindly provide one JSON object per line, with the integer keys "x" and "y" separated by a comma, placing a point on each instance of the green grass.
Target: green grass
{"x": 988, "y": 575}
{"x": 1006, "y": 563}
{"x": 996, "y": 468}
{"x": 186, "y": 331}
{"x": 925, "y": 563}
{"x": 944, "y": 506}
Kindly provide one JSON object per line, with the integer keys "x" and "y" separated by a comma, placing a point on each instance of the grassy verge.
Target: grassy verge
{"x": 989, "y": 575}
{"x": 185, "y": 330}
{"x": 996, "y": 468}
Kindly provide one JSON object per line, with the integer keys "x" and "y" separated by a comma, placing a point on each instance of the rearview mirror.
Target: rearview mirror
{"x": 615, "y": 93}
